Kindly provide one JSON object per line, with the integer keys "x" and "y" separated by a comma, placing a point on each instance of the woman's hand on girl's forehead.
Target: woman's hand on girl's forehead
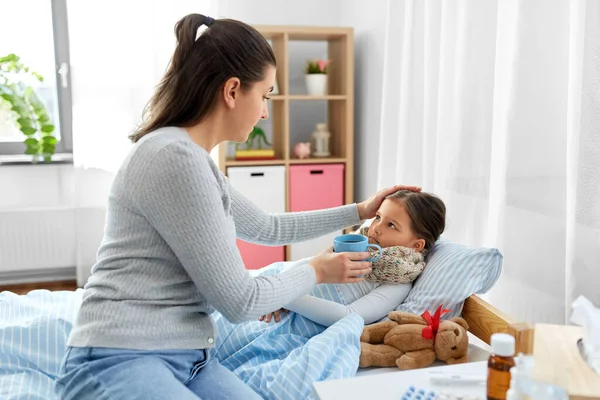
{"x": 368, "y": 208}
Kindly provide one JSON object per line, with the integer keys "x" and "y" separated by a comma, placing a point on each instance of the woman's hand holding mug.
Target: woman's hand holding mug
{"x": 345, "y": 267}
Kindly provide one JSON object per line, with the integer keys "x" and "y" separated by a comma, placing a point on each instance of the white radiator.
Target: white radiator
{"x": 37, "y": 244}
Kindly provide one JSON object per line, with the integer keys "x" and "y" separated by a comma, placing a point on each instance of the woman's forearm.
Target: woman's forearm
{"x": 256, "y": 226}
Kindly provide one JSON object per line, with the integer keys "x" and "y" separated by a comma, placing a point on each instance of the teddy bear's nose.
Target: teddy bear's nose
{"x": 453, "y": 348}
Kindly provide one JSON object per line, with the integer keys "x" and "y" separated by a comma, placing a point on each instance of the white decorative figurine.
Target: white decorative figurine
{"x": 321, "y": 139}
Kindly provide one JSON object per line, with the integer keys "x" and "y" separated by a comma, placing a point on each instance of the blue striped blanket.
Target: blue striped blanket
{"x": 278, "y": 360}
{"x": 282, "y": 360}
{"x": 33, "y": 336}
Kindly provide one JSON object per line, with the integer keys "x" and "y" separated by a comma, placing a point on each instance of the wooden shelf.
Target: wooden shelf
{"x": 281, "y": 97}
{"x": 319, "y": 33}
{"x": 317, "y": 160}
{"x": 234, "y": 163}
{"x": 293, "y": 161}
{"x": 326, "y": 97}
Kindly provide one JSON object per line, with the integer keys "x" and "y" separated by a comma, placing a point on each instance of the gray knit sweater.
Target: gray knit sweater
{"x": 169, "y": 257}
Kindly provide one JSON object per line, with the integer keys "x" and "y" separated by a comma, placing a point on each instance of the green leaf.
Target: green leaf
{"x": 48, "y": 128}
{"x": 31, "y": 151}
{"x": 49, "y": 140}
{"x": 28, "y": 131}
{"x": 7, "y": 96}
{"x": 31, "y": 142}
{"x": 26, "y": 122}
{"x": 47, "y": 149}
{"x": 42, "y": 119}
{"x": 9, "y": 58}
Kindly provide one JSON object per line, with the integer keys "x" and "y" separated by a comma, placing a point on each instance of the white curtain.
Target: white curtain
{"x": 119, "y": 51}
{"x": 495, "y": 106}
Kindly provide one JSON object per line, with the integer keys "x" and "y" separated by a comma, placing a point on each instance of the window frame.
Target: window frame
{"x": 62, "y": 58}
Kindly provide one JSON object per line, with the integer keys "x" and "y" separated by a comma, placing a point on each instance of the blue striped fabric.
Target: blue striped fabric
{"x": 279, "y": 361}
{"x": 453, "y": 273}
{"x": 33, "y": 335}
{"x": 283, "y": 360}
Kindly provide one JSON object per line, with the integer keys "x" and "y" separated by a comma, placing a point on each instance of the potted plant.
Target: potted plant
{"x": 29, "y": 112}
{"x": 316, "y": 77}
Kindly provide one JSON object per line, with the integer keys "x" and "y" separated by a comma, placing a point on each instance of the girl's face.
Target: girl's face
{"x": 392, "y": 227}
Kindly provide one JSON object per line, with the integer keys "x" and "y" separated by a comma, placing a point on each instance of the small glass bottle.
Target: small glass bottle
{"x": 499, "y": 364}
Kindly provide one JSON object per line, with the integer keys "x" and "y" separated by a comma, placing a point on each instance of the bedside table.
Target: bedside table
{"x": 392, "y": 385}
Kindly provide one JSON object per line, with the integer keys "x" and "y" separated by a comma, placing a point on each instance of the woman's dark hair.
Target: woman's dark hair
{"x": 199, "y": 68}
{"x": 427, "y": 213}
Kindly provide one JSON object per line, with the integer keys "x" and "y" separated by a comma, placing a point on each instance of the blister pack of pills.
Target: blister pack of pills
{"x": 414, "y": 393}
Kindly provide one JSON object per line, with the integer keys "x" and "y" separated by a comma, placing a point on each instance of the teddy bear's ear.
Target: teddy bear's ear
{"x": 461, "y": 322}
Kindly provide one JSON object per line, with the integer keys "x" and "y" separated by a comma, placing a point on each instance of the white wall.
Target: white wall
{"x": 51, "y": 220}
{"x": 368, "y": 19}
{"x": 277, "y": 12}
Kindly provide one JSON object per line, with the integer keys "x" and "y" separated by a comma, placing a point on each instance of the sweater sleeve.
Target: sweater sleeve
{"x": 256, "y": 226}
{"x": 185, "y": 203}
{"x": 372, "y": 307}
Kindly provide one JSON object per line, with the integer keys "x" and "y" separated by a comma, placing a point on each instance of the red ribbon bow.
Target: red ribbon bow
{"x": 433, "y": 322}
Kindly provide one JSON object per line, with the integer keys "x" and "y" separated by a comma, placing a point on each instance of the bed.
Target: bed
{"x": 34, "y": 328}
{"x": 280, "y": 360}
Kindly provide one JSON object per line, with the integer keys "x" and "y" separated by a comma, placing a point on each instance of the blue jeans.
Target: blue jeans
{"x": 114, "y": 374}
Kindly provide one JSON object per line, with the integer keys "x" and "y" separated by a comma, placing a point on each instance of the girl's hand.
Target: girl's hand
{"x": 275, "y": 315}
{"x": 368, "y": 208}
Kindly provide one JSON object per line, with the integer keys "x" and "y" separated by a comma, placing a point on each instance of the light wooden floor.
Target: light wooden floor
{"x": 27, "y": 287}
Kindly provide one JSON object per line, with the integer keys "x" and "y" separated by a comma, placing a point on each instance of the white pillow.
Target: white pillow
{"x": 453, "y": 273}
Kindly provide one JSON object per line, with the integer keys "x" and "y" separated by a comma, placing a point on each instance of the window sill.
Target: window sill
{"x": 22, "y": 159}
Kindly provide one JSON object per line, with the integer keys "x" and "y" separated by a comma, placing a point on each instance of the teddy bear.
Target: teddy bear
{"x": 410, "y": 341}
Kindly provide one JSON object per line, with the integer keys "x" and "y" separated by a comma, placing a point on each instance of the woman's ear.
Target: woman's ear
{"x": 419, "y": 244}
{"x": 231, "y": 90}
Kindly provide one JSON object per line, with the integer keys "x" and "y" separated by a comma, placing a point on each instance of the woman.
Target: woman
{"x": 169, "y": 258}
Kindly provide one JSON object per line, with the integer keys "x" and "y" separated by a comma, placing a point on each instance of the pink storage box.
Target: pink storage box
{"x": 256, "y": 256}
{"x": 316, "y": 186}
{"x": 265, "y": 187}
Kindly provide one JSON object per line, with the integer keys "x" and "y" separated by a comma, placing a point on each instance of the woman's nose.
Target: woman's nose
{"x": 265, "y": 112}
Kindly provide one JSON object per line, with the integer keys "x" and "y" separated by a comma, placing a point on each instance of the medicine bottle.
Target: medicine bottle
{"x": 499, "y": 364}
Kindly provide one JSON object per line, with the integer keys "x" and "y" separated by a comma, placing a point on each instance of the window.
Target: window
{"x": 36, "y": 31}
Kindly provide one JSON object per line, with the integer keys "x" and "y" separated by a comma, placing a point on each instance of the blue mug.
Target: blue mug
{"x": 354, "y": 243}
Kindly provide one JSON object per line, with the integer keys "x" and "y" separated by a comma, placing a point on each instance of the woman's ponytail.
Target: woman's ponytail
{"x": 186, "y": 31}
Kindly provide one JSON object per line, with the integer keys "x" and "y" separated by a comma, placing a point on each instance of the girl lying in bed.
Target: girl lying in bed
{"x": 406, "y": 227}
{"x": 321, "y": 339}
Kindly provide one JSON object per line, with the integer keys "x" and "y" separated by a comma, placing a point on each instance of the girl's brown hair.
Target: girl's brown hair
{"x": 199, "y": 68}
{"x": 427, "y": 213}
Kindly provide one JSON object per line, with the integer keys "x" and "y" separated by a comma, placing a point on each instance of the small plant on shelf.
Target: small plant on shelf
{"x": 256, "y": 134}
{"x": 316, "y": 66}
{"x": 316, "y": 77}
{"x": 27, "y": 110}
{"x": 250, "y": 154}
